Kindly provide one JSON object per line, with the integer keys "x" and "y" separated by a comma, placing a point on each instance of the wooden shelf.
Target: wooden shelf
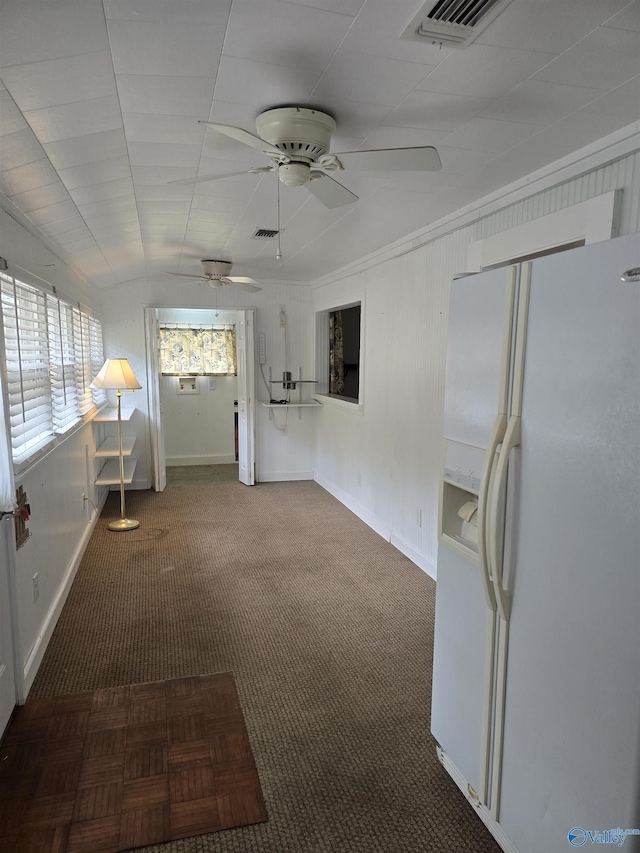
{"x": 110, "y": 474}
{"x": 110, "y": 415}
{"x": 109, "y": 446}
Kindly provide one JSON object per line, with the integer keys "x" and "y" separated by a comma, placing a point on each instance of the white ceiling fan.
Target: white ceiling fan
{"x": 297, "y": 141}
{"x": 216, "y": 273}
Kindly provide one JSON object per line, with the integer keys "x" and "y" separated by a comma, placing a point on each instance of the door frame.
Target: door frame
{"x": 156, "y": 437}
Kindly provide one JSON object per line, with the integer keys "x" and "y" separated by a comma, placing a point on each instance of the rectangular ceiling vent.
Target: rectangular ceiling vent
{"x": 264, "y": 234}
{"x": 453, "y": 23}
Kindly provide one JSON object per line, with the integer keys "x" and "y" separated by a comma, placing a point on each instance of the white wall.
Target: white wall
{"x": 384, "y": 461}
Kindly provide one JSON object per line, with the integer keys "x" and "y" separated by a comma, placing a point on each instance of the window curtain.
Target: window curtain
{"x": 186, "y": 352}
{"x": 336, "y": 354}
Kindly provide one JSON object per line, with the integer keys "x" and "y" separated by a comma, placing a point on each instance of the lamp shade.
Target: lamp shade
{"x": 116, "y": 374}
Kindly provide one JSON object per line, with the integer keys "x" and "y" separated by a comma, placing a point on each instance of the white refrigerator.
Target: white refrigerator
{"x": 536, "y": 675}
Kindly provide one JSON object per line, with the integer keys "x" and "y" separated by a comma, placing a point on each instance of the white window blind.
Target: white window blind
{"x": 53, "y": 350}
{"x": 27, "y": 358}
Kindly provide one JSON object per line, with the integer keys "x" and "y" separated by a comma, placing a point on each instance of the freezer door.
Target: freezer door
{"x": 478, "y": 347}
{"x": 571, "y": 738}
{"x": 459, "y": 662}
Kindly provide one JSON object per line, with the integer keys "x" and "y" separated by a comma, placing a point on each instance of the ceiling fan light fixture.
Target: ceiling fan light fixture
{"x": 294, "y": 174}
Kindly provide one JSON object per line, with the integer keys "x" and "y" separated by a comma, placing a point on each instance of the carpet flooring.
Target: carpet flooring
{"x": 124, "y": 767}
{"x": 328, "y": 630}
{"x": 185, "y": 475}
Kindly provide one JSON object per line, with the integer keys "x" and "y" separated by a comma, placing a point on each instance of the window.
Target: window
{"x": 205, "y": 350}
{"x": 52, "y": 352}
{"x": 338, "y": 349}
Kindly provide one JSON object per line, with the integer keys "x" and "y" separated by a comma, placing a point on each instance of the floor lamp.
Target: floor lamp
{"x": 116, "y": 375}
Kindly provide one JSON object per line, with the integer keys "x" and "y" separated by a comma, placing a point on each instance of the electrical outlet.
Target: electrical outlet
{"x": 36, "y": 587}
{"x": 262, "y": 348}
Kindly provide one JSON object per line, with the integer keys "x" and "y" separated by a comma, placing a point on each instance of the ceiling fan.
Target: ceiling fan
{"x": 297, "y": 141}
{"x": 216, "y": 273}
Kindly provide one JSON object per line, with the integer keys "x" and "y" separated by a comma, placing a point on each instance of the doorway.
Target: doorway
{"x": 202, "y": 426}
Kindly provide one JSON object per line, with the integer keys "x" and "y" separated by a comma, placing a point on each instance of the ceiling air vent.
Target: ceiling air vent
{"x": 454, "y": 23}
{"x": 264, "y": 234}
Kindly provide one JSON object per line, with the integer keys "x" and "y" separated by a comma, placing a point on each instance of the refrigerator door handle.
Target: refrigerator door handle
{"x": 494, "y": 540}
{"x": 497, "y": 435}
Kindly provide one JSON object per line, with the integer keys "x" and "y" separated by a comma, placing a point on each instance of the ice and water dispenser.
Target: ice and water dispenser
{"x": 459, "y": 504}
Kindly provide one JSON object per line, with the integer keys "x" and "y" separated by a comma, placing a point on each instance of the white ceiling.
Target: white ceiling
{"x": 100, "y": 102}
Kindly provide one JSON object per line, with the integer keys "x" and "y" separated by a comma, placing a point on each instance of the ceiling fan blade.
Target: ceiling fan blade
{"x": 241, "y": 279}
{"x": 330, "y": 192}
{"x": 424, "y": 159}
{"x": 202, "y": 178}
{"x": 241, "y": 135}
{"x": 187, "y": 275}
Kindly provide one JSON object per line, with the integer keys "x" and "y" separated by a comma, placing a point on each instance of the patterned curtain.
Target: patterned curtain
{"x": 336, "y": 353}
{"x": 185, "y": 351}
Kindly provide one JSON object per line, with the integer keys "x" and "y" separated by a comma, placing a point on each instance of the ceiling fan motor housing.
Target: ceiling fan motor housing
{"x": 303, "y": 134}
{"x": 215, "y": 269}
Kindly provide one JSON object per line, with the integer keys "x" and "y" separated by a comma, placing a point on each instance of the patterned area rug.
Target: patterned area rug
{"x": 124, "y": 767}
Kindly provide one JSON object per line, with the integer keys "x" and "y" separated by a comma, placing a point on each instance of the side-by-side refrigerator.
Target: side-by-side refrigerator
{"x": 536, "y": 677}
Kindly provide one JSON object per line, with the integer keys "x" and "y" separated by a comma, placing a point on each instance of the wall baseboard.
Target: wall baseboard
{"x": 418, "y": 557}
{"x": 37, "y": 652}
{"x": 375, "y": 523}
{"x": 210, "y": 459}
{"x": 284, "y": 476}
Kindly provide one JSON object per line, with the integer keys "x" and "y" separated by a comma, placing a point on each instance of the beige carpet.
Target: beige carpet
{"x": 328, "y": 630}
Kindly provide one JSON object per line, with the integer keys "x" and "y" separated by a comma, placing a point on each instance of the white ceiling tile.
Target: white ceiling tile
{"x": 486, "y": 134}
{"x": 344, "y": 7}
{"x": 64, "y": 226}
{"x": 68, "y": 120}
{"x": 41, "y": 197}
{"x": 284, "y": 34}
{"x": 482, "y": 71}
{"x": 223, "y": 205}
{"x": 529, "y": 156}
{"x": 175, "y": 49}
{"x": 53, "y": 213}
{"x": 105, "y": 226}
{"x": 79, "y": 245}
{"x": 627, "y": 19}
{"x": 433, "y": 111}
{"x": 376, "y": 30}
{"x": 164, "y": 193}
{"x": 580, "y": 128}
{"x": 356, "y": 118}
{"x": 36, "y": 31}
{"x": 621, "y": 101}
{"x": 403, "y": 137}
{"x": 166, "y": 11}
{"x": 160, "y": 175}
{"x": 551, "y": 28}
{"x": 97, "y": 192}
{"x": 95, "y": 173}
{"x": 163, "y": 219}
{"x": 164, "y": 154}
{"x": 262, "y": 84}
{"x": 146, "y": 207}
{"x": 89, "y": 148}
{"x": 602, "y": 60}
{"x": 74, "y": 235}
{"x": 61, "y": 81}
{"x": 18, "y": 149}
{"x": 535, "y": 102}
{"x": 184, "y": 130}
{"x": 120, "y": 204}
{"x": 459, "y": 161}
{"x": 28, "y": 177}
{"x": 375, "y": 79}
{"x": 165, "y": 95}
{"x": 11, "y": 119}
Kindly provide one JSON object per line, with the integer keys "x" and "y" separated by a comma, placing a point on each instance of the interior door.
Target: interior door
{"x": 7, "y": 675}
{"x": 153, "y": 395}
{"x": 246, "y": 396}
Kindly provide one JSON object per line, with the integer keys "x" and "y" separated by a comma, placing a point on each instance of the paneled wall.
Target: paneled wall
{"x": 384, "y": 462}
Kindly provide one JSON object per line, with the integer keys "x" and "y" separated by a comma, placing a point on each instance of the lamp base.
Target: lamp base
{"x": 123, "y": 524}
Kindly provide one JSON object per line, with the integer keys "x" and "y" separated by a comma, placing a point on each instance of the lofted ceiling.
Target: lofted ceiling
{"x": 100, "y": 102}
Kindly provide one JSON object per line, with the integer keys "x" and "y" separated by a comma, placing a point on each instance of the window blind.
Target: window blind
{"x": 64, "y": 394}
{"x": 24, "y": 311}
{"x": 97, "y": 359}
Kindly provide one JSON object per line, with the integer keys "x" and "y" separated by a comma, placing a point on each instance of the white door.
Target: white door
{"x": 7, "y": 680}
{"x": 478, "y": 345}
{"x": 246, "y": 396}
{"x": 153, "y": 394}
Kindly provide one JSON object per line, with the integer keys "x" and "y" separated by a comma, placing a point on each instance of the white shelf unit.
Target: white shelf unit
{"x": 107, "y": 450}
